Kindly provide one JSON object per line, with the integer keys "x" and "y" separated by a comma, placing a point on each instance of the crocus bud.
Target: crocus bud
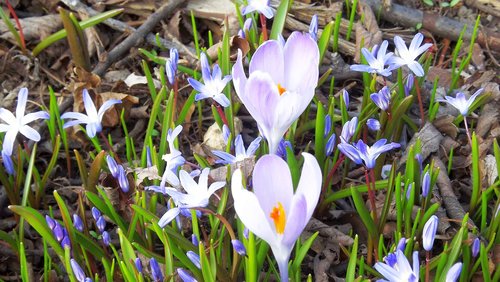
{"x": 77, "y": 271}
{"x": 345, "y": 96}
{"x": 194, "y": 258}
{"x": 454, "y": 272}
{"x": 409, "y": 84}
{"x": 77, "y": 222}
{"x": 194, "y": 240}
{"x": 239, "y": 247}
{"x": 138, "y": 265}
{"x": 122, "y": 179}
{"x": 7, "y": 162}
{"x": 225, "y": 133}
{"x": 382, "y": 99}
{"x": 58, "y": 231}
{"x": 426, "y": 183}
{"x": 185, "y": 276}
{"x": 373, "y": 124}
{"x": 328, "y": 125}
{"x": 101, "y": 224}
{"x": 112, "y": 165}
{"x": 330, "y": 144}
{"x": 65, "y": 242}
{"x": 149, "y": 160}
{"x": 313, "y": 27}
{"x": 105, "y": 238}
{"x": 429, "y": 232}
{"x": 95, "y": 213}
{"x": 155, "y": 270}
{"x": 50, "y": 222}
{"x": 476, "y": 244}
{"x": 170, "y": 70}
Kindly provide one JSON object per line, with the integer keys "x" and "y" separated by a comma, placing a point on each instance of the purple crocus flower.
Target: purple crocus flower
{"x": 280, "y": 85}
{"x": 382, "y": 99}
{"x": 247, "y": 25}
{"x": 429, "y": 232}
{"x": 155, "y": 270}
{"x": 328, "y": 125}
{"x": 239, "y": 247}
{"x": 171, "y": 65}
{"x": 261, "y": 6}
{"x": 377, "y": 59}
{"x": 373, "y": 124}
{"x": 112, "y": 165}
{"x": 476, "y": 244}
{"x": 426, "y": 184}
{"x": 240, "y": 152}
{"x": 313, "y": 27}
{"x": 138, "y": 264}
{"x": 400, "y": 270}
{"x": 185, "y": 276}
{"x": 348, "y": 130}
{"x": 214, "y": 83}
{"x": 362, "y": 153}
{"x": 409, "y": 84}
{"x": 122, "y": 179}
{"x": 454, "y": 272}
{"x": 77, "y": 271}
{"x": 330, "y": 144}
{"x": 345, "y": 96}
{"x": 8, "y": 163}
{"x": 93, "y": 117}
{"x": 408, "y": 55}
{"x": 101, "y": 224}
{"x": 281, "y": 152}
{"x": 95, "y": 213}
{"x": 77, "y": 222}
{"x": 194, "y": 240}
{"x": 460, "y": 102}
{"x": 194, "y": 258}
{"x": 273, "y": 211}
{"x": 19, "y": 123}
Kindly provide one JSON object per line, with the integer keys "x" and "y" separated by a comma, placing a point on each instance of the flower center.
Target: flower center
{"x": 279, "y": 218}
{"x": 281, "y": 89}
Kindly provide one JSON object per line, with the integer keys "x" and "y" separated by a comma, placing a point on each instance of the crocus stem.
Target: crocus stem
{"x": 110, "y": 147}
{"x": 467, "y": 131}
{"x": 427, "y": 266}
{"x": 331, "y": 173}
{"x": 371, "y": 194}
{"x": 264, "y": 27}
{"x": 420, "y": 104}
{"x": 174, "y": 106}
{"x": 221, "y": 113}
{"x": 283, "y": 267}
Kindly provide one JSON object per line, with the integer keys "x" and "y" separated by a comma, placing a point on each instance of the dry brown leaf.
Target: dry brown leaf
{"x": 430, "y": 139}
{"x": 215, "y": 10}
{"x": 443, "y": 75}
{"x": 173, "y": 25}
{"x": 213, "y": 137}
{"x": 246, "y": 166}
{"x": 445, "y": 125}
{"x": 34, "y": 28}
{"x": 478, "y": 56}
{"x": 235, "y": 43}
{"x": 368, "y": 32}
{"x": 112, "y": 116}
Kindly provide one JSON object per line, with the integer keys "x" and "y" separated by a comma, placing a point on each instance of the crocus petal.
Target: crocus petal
{"x": 239, "y": 78}
{"x": 416, "y": 41}
{"x": 272, "y": 184}
{"x": 388, "y": 272}
{"x": 198, "y": 86}
{"x": 310, "y": 183}
{"x": 30, "y": 133}
{"x": 416, "y": 264}
{"x": 222, "y": 100}
{"x": 225, "y": 158}
{"x": 368, "y": 56}
{"x": 362, "y": 68}
{"x": 249, "y": 210}
{"x": 416, "y": 68}
{"x": 267, "y": 12}
{"x": 168, "y": 217}
{"x": 301, "y": 62}
{"x": 8, "y": 141}
{"x": 73, "y": 123}
{"x": 454, "y": 272}
{"x": 89, "y": 104}
{"x": 21, "y": 102}
{"x": 34, "y": 116}
{"x": 4, "y": 127}
{"x": 239, "y": 146}
{"x": 78, "y": 116}
{"x": 269, "y": 51}
{"x": 7, "y": 116}
{"x": 400, "y": 46}
{"x": 105, "y": 106}
{"x": 205, "y": 68}
{"x": 422, "y": 49}
{"x": 350, "y": 151}
{"x": 253, "y": 146}
{"x": 296, "y": 220}
{"x": 188, "y": 183}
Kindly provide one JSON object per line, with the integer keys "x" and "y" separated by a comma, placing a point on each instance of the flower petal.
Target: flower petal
{"x": 269, "y": 51}
{"x": 89, "y": 105}
{"x": 310, "y": 183}
{"x": 34, "y": 116}
{"x": 253, "y": 146}
{"x": 30, "y": 133}
{"x": 22, "y": 98}
{"x": 168, "y": 216}
{"x": 105, "y": 106}
{"x": 7, "y": 116}
{"x": 239, "y": 77}
{"x": 8, "y": 142}
{"x": 239, "y": 146}
{"x": 301, "y": 62}
{"x": 416, "y": 68}
{"x": 296, "y": 220}
{"x": 187, "y": 182}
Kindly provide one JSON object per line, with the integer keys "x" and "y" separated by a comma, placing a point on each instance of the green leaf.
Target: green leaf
{"x": 324, "y": 40}
{"x": 363, "y": 212}
{"x": 279, "y": 19}
{"x": 476, "y": 176}
{"x": 301, "y": 254}
{"x": 351, "y": 267}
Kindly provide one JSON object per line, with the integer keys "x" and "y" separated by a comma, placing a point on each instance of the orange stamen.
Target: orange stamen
{"x": 281, "y": 89}
{"x": 278, "y": 215}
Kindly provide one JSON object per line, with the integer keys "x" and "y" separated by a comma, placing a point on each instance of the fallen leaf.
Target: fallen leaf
{"x": 34, "y": 28}
{"x": 134, "y": 79}
{"x": 235, "y": 43}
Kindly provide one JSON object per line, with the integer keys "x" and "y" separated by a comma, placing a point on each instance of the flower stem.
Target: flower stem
{"x": 221, "y": 113}
{"x": 371, "y": 194}
{"x": 420, "y": 104}
{"x": 264, "y": 27}
{"x": 110, "y": 147}
{"x": 467, "y": 131}
{"x": 174, "y": 106}
{"x": 427, "y": 266}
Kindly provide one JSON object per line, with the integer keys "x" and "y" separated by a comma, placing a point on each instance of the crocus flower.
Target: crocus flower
{"x": 454, "y": 272}
{"x": 77, "y": 271}
{"x": 313, "y": 27}
{"x": 373, "y": 124}
{"x": 194, "y": 258}
{"x": 246, "y": 27}
{"x": 476, "y": 244}
{"x": 105, "y": 238}
{"x": 348, "y": 130}
{"x": 240, "y": 152}
{"x": 282, "y": 148}
{"x": 408, "y": 55}
{"x": 377, "y": 59}
{"x": 401, "y": 270}
{"x": 19, "y": 123}
{"x": 113, "y": 166}
{"x": 429, "y": 232}
{"x": 280, "y": 85}
{"x": 362, "y": 153}
{"x": 328, "y": 125}
{"x": 185, "y": 276}
{"x": 330, "y": 144}
{"x": 95, "y": 213}
{"x": 171, "y": 65}
{"x": 93, "y": 117}
{"x": 261, "y": 6}
{"x": 194, "y": 240}
{"x": 138, "y": 264}
{"x": 426, "y": 184}
{"x": 122, "y": 179}
{"x": 345, "y": 96}
{"x": 101, "y": 224}
{"x": 409, "y": 84}
{"x": 239, "y": 247}
{"x": 198, "y": 194}
{"x": 65, "y": 242}
{"x": 155, "y": 270}
{"x": 214, "y": 83}
{"x": 8, "y": 163}
{"x": 273, "y": 212}
{"x": 77, "y": 222}
{"x": 382, "y": 98}
{"x": 460, "y": 102}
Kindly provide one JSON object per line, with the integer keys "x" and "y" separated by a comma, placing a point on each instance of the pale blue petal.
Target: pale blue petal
{"x": 198, "y": 86}
{"x": 8, "y": 142}
{"x": 253, "y": 146}
{"x": 7, "y": 116}
{"x": 89, "y": 104}
{"x": 34, "y": 116}
{"x": 168, "y": 217}
{"x": 30, "y": 133}
{"x": 105, "y": 106}
{"x": 21, "y": 102}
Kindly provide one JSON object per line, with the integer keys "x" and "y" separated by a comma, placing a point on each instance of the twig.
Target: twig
{"x": 138, "y": 36}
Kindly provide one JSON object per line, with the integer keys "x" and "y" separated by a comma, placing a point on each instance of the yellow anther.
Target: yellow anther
{"x": 281, "y": 89}
{"x": 279, "y": 218}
